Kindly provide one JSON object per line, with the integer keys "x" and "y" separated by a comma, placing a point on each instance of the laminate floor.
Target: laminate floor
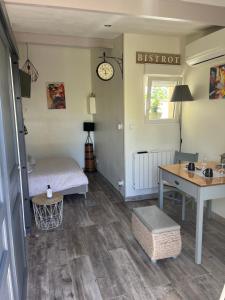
{"x": 94, "y": 255}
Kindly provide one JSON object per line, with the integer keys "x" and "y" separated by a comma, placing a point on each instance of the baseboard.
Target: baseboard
{"x": 112, "y": 186}
{"x": 217, "y": 217}
{"x": 142, "y": 197}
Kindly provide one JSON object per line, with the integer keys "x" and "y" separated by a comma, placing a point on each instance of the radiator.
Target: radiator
{"x": 145, "y": 167}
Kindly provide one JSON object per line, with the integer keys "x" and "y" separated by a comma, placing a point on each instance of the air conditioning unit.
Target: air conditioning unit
{"x": 207, "y": 48}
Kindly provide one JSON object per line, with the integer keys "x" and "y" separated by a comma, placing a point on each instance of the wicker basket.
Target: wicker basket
{"x": 156, "y": 245}
{"x": 48, "y": 213}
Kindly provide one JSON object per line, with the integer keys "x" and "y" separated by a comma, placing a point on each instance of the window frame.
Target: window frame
{"x": 148, "y": 82}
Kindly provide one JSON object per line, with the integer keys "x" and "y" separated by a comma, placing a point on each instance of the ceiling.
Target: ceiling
{"x": 72, "y": 22}
{"x": 86, "y": 19}
{"x": 208, "y": 2}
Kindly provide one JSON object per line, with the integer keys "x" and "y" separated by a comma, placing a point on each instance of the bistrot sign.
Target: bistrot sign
{"x": 157, "y": 58}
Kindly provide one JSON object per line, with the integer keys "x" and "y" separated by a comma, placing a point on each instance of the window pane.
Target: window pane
{"x": 158, "y": 105}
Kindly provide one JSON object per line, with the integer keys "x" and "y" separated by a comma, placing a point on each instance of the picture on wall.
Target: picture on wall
{"x": 217, "y": 82}
{"x": 56, "y": 95}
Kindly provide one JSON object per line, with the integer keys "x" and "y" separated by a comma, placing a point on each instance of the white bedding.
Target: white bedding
{"x": 60, "y": 173}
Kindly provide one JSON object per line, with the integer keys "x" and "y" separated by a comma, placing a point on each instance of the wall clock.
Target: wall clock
{"x": 105, "y": 71}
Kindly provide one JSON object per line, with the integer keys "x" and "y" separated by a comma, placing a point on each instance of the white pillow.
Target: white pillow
{"x": 31, "y": 160}
{"x": 29, "y": 167}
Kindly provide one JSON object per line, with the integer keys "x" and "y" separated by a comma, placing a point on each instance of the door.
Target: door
{"x": 12, "y": 231}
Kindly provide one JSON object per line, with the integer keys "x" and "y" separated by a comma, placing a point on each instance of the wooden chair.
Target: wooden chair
{"x": 173, "y": 192}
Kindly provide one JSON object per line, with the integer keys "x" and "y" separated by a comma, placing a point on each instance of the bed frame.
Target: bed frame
{"x": 82, "y": 189}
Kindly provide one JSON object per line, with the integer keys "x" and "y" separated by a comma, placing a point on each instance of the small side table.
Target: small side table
{"x": 48, "y": 212}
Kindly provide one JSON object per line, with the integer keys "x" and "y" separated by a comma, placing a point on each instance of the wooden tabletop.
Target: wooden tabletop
{"x": 181, "y": 171}
{"x": 43, "y": 200}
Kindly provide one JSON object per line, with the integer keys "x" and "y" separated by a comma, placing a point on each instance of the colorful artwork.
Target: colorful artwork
{"x": 56, "y": 95}
{"x": 217, "y": 82}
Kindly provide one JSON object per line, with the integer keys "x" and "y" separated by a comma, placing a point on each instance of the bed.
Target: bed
{"x": 61, "y": 173}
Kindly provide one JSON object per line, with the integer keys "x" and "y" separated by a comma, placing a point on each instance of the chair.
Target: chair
{"x": 173, "y": 192}
{"x": 180, "y": 157}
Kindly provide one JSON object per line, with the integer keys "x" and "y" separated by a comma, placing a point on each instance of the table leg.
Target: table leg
{"x": 183, "y": 206}
{"x": 209, "y": 208}
{"x": 160, "y": 189}
{"x": 199, "y": 231}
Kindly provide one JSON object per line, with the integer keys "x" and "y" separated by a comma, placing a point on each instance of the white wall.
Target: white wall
{"x": 204, "y": 120}
{"x": 109, "y": 141}
{"x": 138, "y": 134}
{"x": 57, "y": 132}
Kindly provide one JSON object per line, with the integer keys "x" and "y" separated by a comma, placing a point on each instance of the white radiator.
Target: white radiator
{"x": 145, "y": 167}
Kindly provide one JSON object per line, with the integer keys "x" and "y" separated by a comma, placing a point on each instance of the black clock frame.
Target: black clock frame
{"x": 100, "y": 65}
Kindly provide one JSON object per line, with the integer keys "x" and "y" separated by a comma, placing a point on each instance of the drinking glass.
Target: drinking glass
{"x": 203, "y": 162}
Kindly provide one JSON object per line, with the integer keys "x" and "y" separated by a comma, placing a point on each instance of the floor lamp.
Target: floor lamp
{"x": 181, "y": 93}
{"x": 89, "y": 151}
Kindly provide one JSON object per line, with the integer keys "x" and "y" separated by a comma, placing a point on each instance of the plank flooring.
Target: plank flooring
{"x": 94, "y": 255}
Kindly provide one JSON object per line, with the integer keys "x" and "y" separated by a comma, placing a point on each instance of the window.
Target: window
{"x": 158, "y": 92}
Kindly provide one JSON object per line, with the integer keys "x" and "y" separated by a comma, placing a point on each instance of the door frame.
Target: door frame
{"x": 8, "y": 37}
{"x": 9, "y": 257}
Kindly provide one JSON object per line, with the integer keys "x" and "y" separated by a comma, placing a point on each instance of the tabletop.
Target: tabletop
{"x": 43, "y": 200}
{"x": 181, "y": 171}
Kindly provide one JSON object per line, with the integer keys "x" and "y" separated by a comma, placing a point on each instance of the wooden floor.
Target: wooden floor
{"x": 94, "y": 255}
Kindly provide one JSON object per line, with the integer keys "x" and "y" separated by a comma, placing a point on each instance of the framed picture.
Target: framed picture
{"x": 56, "y": 95}
{"x": 217, "y": 82}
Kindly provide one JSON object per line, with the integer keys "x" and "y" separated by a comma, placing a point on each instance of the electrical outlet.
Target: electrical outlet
{"x": 120, "y": 183}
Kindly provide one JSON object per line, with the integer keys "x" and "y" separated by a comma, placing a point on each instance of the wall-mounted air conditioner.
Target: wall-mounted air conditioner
{"x": 207, "y": 48}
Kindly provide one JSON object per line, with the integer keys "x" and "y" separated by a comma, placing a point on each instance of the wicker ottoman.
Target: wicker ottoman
{"x": 156, "y": 232}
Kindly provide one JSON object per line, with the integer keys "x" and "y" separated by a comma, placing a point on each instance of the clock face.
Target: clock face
{"x": 105, "y": 71}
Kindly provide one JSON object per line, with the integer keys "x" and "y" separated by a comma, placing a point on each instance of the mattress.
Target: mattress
{"x": 59, "y": 172}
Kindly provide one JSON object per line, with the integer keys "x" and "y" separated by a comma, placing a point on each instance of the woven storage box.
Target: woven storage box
{"x": 156, "y": 232}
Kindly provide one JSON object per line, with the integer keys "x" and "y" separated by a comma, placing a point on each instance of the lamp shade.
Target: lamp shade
{"x": 89, "y": 126}
{"x": 181, "y": 93}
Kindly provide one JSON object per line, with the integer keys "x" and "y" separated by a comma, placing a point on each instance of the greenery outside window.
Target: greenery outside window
{"x": 158, "y": 92}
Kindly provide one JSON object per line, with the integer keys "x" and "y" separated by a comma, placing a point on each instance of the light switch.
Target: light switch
{"x": 120, "y": 126}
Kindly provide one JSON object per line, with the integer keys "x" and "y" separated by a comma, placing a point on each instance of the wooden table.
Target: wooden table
{"x": 201, "y": 188}
{"x": 48, "y": 213}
